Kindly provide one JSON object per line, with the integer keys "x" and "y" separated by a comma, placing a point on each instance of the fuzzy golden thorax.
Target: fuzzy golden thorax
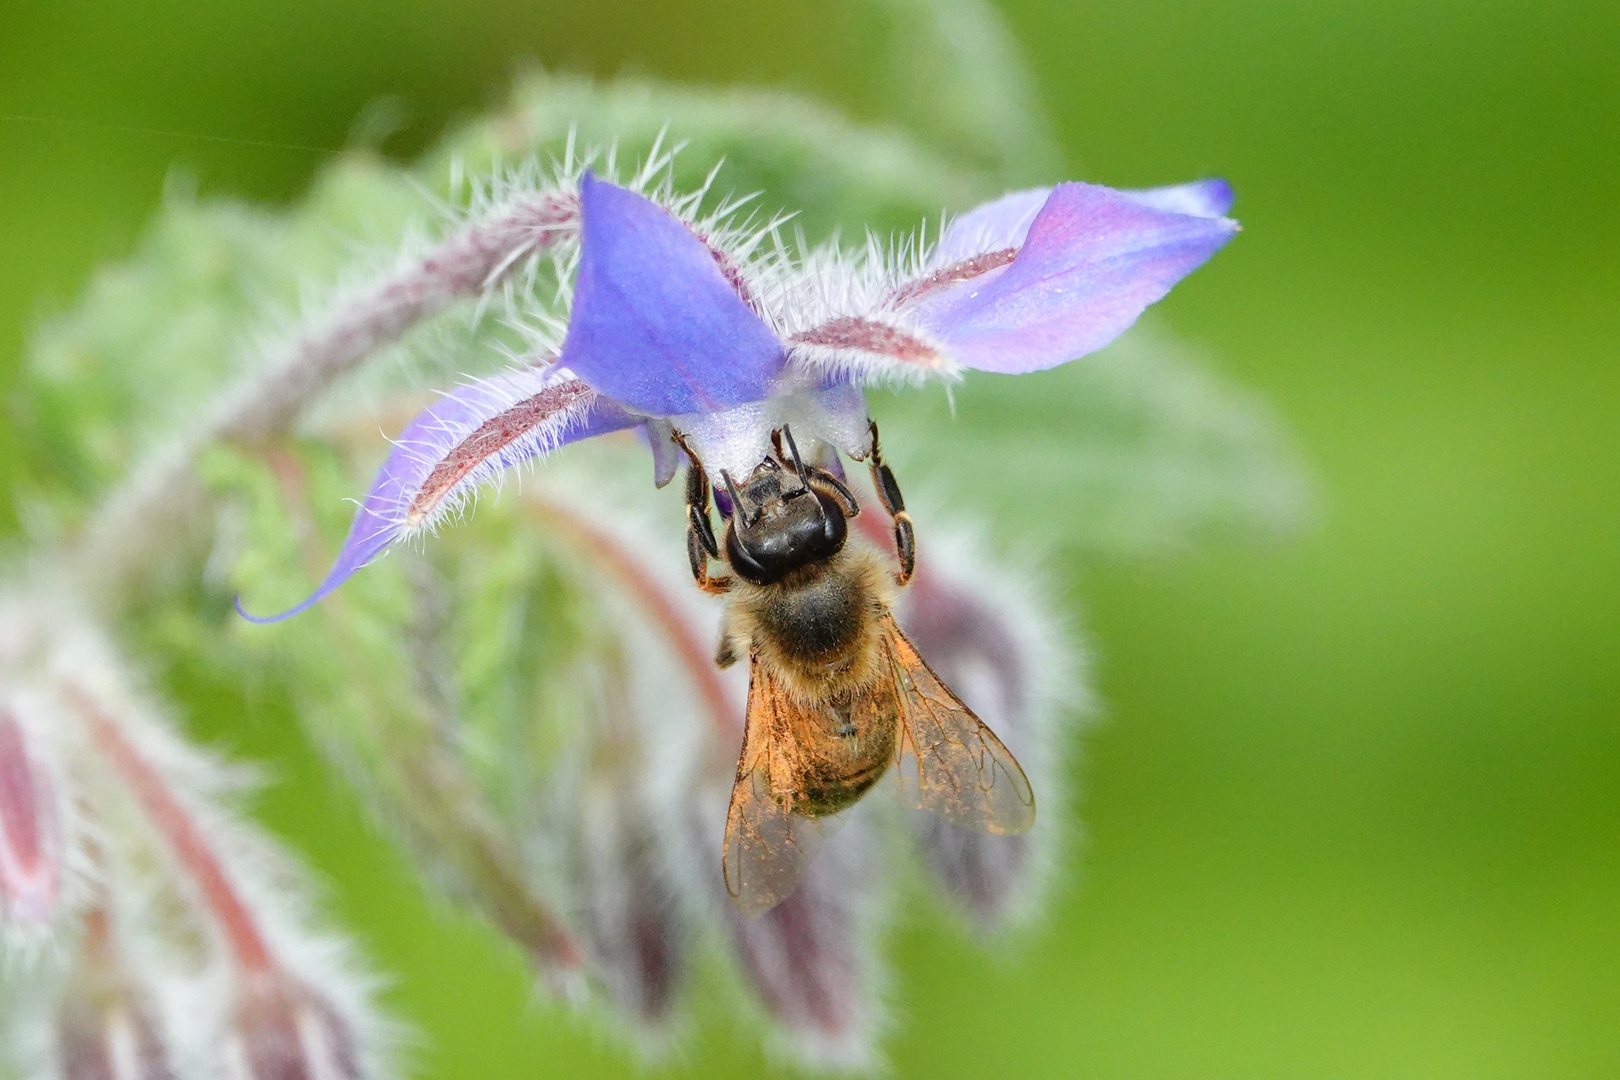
{"x": 818, "y": 628}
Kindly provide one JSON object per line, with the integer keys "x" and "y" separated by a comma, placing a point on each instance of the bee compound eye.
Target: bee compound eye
{"x": 750, "y": 565}
{"x": 834, "y": 529}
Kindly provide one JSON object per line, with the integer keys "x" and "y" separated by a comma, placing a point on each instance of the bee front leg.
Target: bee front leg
{"x": 888, "y": 490}
{"x": 700, "y": 542}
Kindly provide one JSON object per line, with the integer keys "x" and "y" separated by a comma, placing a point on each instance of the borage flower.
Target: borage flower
{"x": 691, "y": 336}
{"x": 712, "y": 339}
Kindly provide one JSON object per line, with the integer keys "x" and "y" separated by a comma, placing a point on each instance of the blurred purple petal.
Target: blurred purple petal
{"x": 106, "y": 1025}
{"x": 457, "y": 444}
{"x": 285, "y": 1030}
{"x": 656, "y": 324}
{"x": 633, "y": 923}
{"x": 990, "y": 639}
{"x": 811, "y": 958}
{"x": 984, "y": 874}
{"x": 973, "y": 649}
{"x": 1092, "y": 261}
{"x": 103, "y": 1033}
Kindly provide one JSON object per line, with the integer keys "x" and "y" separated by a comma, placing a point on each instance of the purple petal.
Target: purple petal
{"x": 992, "y": 226}
{"x": 1093, "y": 260}
{"x": 656, "y": 324}
{"x": 810, "y": 957}
{"x": 1004, "y": 222}
{"x": 457, "y": 444}
{"x": 631, "y": 913}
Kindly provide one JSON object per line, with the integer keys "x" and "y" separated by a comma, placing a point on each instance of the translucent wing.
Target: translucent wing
{"x": 950, "y": 763}
{"x": 768, "y": 847}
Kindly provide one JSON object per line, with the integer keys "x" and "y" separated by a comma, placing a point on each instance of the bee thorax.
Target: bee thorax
{"x": 817, "y": 621}
{"x": 818, "y": 629}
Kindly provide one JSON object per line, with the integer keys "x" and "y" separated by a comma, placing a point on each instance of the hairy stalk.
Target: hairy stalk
{"x": 121, "y": 536}
{"x": 441, "y": 805}
{"x": 236, "y": 922}
{"x": 599, "y": 545}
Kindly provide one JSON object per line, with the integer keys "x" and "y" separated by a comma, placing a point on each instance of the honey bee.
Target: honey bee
{"x": 837, "y": 696}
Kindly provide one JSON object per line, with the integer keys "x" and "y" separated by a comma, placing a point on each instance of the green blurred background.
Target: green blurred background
{"x": 1355, "y": 808}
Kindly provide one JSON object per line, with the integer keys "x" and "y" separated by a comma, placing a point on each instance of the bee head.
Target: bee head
{"x": 781, "y": 520}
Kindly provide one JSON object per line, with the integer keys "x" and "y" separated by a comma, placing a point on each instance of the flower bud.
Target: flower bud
{"x": 284, "y": 1030}
{"x": 30, "y": 847}
{"x": 811, "y": 958}
{"x": 1003, "y": 659}
{"x": 633, "y": 924}
{"x": 106, "y": 1033}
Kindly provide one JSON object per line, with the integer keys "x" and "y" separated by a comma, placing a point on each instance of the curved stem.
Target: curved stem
{"x": 601, "y": 546}
{"x": 121, "y": 536}
{"x": 434, "y": 794}
{"x": 182, "y": 831}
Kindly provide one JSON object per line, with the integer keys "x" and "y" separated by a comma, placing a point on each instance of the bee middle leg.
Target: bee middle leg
{"x": 729, "y": 649}
{"x": 888, "y": 490}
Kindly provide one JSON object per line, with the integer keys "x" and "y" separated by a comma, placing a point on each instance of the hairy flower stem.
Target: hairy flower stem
{"x": 236, "y": 922}
{"x": 120, "y": 538}
{"x": 460, "y": 832}
{"x": 597, "y": 544}
{"x": 440, "y": 804}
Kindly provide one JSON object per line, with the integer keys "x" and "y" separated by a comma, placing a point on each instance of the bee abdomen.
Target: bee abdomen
{"x": 839, "y": 781}
{"x": 833, "y": 794}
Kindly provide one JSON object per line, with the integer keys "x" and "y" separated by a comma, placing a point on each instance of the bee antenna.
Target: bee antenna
{"x": 736, "y": 498}
{"x": 793, "y": 454}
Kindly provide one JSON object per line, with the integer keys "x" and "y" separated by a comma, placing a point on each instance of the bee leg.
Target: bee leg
{"x": 840, "y": 490}
{"x": 726, "y": 651}
{"x": 888, "y": 490}
{"x": 700, "y": 542}
{"x": 699, "y": 559}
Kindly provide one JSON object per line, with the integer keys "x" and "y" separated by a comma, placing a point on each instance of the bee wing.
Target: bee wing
{"x": 768, "y": 847}
{"x": 950, "y": 763}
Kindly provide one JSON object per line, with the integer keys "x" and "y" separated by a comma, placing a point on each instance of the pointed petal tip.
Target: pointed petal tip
{"x": 359, "y": 551}
{"x": 1211, "y": 197}
{"x": 282, "y": 616}
{"x": 1093, "y": 260}
{"x": 1219, "y": 193}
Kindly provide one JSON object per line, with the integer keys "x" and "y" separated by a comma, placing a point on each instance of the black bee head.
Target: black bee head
{"x": 781, "y": 520}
